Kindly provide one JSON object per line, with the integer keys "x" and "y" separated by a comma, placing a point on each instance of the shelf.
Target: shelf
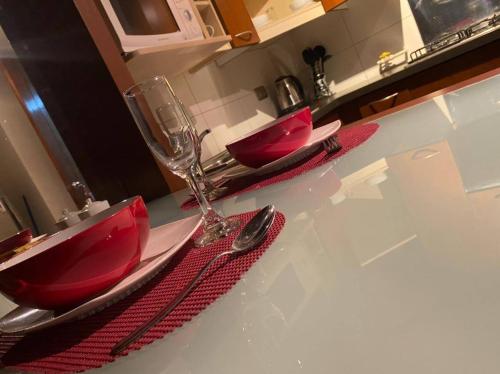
{"x": 295, "y": 19}
{"x": 173, "y": 59}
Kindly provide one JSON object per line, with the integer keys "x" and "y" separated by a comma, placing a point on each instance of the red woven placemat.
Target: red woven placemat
{"x": 85, "y": 344}
{"x": 348, "y": 137}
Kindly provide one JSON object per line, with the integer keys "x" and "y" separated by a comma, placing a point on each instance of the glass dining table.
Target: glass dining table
{"x": 389, "y": 261}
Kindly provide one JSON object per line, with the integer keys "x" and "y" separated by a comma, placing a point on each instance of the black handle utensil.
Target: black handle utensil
{"x": 315, "y": 58}
{"x": 309, "y": 56}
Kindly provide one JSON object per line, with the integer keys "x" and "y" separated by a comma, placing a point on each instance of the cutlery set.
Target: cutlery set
{"x": 316, "y": 58}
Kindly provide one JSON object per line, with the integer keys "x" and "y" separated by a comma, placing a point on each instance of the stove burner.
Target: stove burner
{"x": 455, "y": 38}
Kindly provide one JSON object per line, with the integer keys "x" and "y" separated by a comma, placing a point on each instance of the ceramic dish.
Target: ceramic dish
{"x": 164, "y": 242}
{"x": 274, "y": 140}
{"x": 79, "y": 262}
{"x": 315, "y": 141}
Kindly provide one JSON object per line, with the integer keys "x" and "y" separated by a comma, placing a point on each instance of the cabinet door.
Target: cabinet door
{"x": 332, "y": 4}
{"x": 237, "y": 21}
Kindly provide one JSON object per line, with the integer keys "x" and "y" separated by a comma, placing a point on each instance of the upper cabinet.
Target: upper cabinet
{"x": 253, "y": 21}
{"x": 172, "y": 36}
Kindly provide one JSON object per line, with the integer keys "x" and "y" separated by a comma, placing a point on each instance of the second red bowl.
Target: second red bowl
{"x": 274, "y": 140}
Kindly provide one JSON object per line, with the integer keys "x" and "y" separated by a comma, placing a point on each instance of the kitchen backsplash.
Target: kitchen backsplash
{"x": 222, "y": 98}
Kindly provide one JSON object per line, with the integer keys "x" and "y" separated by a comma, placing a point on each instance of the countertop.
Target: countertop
{"x": 395, "y": 271}
{"x": 327, "y": 105}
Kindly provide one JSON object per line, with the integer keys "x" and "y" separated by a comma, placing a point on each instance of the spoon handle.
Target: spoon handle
{"x": 165, "y": 311}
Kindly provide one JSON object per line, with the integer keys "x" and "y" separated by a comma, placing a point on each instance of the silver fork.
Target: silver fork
{"x": 331, "y": 145}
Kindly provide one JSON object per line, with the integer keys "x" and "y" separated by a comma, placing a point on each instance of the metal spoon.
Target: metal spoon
{"x": 251, "y": 235}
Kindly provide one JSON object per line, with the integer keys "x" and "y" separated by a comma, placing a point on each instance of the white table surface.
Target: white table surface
{"x": 389, "y": 261}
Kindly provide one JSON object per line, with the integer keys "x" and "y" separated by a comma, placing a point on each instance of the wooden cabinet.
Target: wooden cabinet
{"x": 332, "y": 4}
{"x": 275, "y": 17}
{"x": 237, "y": 22}
{"x": 237, "y": 15}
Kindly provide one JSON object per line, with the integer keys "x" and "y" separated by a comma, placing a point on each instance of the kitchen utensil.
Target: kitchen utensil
{"x": 176, "y": 146}
{"x": 331, "y": 145}
{"x": 309, "y": 57}
{"x": 250, "y": 236}
{"x": 318, "y": 136}
{"x": 320, "y": 53}
{"x": 274, "y": 140}
{"x": 289, "y": 93}
{"x": 17, "y": 240}
{"x": 164, "y": 242}
{"x": 79, "y": 262}
{"x": 316, "y": 58}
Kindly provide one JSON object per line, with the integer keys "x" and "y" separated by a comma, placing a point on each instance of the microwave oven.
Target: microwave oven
{"x": 149, "y": 23}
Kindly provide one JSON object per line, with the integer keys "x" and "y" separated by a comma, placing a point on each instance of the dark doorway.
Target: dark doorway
{"x": 73, "y": 83}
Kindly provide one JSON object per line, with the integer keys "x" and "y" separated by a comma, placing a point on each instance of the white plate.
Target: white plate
{"x": 163, "y": 243}
{"x": 315, "y": 140}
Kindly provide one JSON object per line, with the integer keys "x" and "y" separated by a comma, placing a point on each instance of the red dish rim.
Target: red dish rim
{"x": 269, "y": 125}
{"x": 70, "y": 232}
{"x": 13, "y": 237}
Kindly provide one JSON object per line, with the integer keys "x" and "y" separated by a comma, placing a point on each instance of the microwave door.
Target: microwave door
{"x": 143, "y": 23}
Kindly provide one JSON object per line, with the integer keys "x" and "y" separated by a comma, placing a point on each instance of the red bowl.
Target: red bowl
{"x": 79, "y": 262}
{"x": 273, "y": 141}
{"x": 17, "y": 240}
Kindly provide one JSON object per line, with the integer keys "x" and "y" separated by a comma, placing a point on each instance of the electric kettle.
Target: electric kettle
{"x": 289, "y": 93}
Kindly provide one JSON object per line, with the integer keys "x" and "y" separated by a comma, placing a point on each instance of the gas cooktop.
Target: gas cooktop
{"x": 449, "y": 40}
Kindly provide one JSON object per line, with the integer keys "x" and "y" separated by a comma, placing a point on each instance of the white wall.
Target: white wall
{"x": 222, "y": 98}
{"x": 25, "y": 167}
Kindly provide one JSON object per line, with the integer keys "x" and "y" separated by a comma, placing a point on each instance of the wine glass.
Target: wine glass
{"x": 211, "y": 191}
{"x": 167, "y": 132}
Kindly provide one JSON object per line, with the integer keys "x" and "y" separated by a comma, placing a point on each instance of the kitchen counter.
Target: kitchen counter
{"x": 396, "y": 271}
{"x": 343, "y": 96}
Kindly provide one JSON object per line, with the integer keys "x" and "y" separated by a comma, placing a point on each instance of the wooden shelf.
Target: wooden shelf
{"x": 295, "y": 19}
{"x": 173, "y": 59}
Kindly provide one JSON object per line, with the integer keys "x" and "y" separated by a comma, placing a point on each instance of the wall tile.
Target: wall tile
{"x": 227, "y": 123}
{"x": 284, "y": 56}
{"x": 411, "y": 35}
{"x": 258, "y": 113}
{"x": 251, "y": 70}
{"x": 390, "y": 39}
{"x": 343, "y": 65}
{"x": 330, "y": 31}
{"x": 365, "y": 18}
{"x": 209, "y": 145}
{"x": 405, "y": 8}
{"x": 182, "y": 90}
{"x": 212, "y": 88}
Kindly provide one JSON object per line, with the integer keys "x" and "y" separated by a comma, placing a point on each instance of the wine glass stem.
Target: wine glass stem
{"x": 210, "y": 217}
{"x": 207, "y": 183}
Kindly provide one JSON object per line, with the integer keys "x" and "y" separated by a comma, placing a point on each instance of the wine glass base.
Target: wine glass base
{"x": 216, "y": 232}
